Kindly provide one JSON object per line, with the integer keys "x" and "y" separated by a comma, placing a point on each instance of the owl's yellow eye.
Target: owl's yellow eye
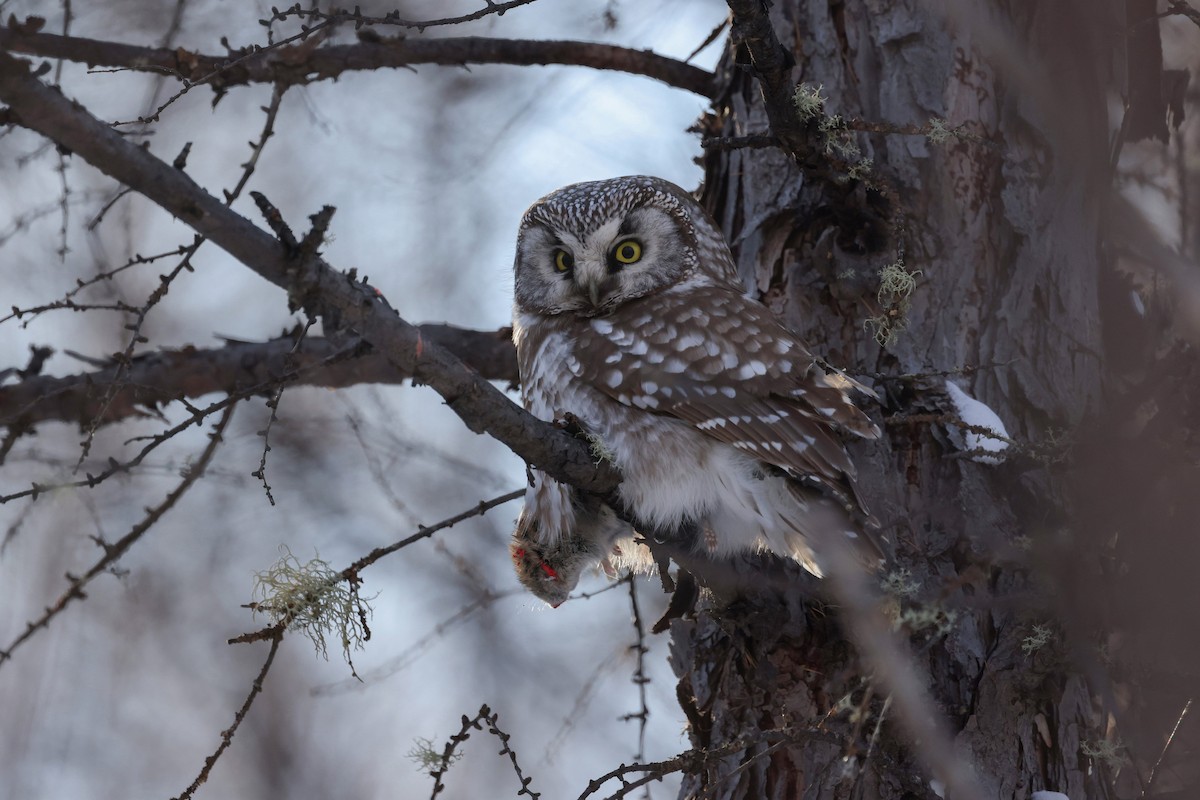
{"x": 628, "y": 252}
{"x": 563, "y": 261}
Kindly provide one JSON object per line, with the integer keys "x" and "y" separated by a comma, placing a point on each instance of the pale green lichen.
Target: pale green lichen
{"x": 314, "y": 599}
{"x": 429, "y": 760}
{"x": 896, "y": 283}
{"x": 895, "y": 280}
{"x": 834, "y": 134}
{"x": 886, "y": 327}
{"x": 838, "y": 140}
{"x": 1038, "y": 638}
{"x": 600, "y": 451}
{"x": 862, "y": 170}
{"x": 938, "y": 132}
{"x": 1110, "y": 753}
{"x": 900, "y": 583}
{"x": 933, "y": 618}
{"x": 809, "y": 102}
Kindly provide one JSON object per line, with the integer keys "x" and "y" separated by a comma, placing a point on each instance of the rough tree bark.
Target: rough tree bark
{"x": 1004, "y": 229}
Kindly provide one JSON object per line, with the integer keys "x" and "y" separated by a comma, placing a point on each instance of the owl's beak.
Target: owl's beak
{"x": 598, "y": 286}
{"x": 593, "y": 289}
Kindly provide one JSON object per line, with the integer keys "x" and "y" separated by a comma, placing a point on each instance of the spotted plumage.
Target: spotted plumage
{"x": 630, "y": 317}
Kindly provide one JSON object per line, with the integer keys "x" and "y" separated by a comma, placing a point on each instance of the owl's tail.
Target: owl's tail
{"x": 816, "y": 519}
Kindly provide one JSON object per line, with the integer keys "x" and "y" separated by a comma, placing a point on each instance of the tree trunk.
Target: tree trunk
{"x": 1002, "y": 229}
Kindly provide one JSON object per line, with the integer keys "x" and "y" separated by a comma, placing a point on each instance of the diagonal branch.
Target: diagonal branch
{"x": 339, "y": 298}
{"x": 157, "y": 378}
{"x": 301, "y": 63}
{"x": 772, "y": 66}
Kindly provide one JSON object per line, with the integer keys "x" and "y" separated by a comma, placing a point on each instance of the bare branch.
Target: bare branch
{"x": 339, "y": 298}
{"x": 157, "y": 378}
{"x": 693, "y": 760}
{"x": 772, "y": 66}
{"x": 115, "y": 467}
{"x": 447, "y": 757}
{"x": 300, "y": 64}
{"x": 424, "y": 532}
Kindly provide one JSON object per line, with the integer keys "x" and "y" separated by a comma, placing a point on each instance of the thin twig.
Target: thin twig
{"x": 351, "y": 573}
{"x": 712, "y": 37}
{"x": 695, "y": 759}
{"x": 114, "y": 551}
{"x": 608, "y": 588}
{"x": 393, "y": 18}
{"x": 124, "y": 358}
{"x": 265, "y": 433}
{"x": 639, "y": 673}
{"x": 411, "y": 654}
{"x": 64, "y": 184}
{"x": 1166, "y": 747}
{"x": 227, "y": 734}
{"x": 424, "y": 532}
{"x": 485, "y": 715}
{"x": 69, "y": 305}
{"x": 157, "y": 378}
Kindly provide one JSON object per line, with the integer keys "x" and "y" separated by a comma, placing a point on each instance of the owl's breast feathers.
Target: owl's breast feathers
{"x": 711, "y": 357}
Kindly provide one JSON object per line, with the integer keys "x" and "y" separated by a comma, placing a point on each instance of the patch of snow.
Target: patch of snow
{"x": 975, "y": 413}
{"x": 1049, "y": 796}
{"x": 938, "y": 787}
{"x": 1138, "y": 305}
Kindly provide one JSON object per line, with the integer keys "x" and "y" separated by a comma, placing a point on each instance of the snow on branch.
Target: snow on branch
{"x": 983, "y": 435}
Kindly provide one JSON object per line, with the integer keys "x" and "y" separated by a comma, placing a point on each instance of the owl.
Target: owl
{"x": 629, "y": 315}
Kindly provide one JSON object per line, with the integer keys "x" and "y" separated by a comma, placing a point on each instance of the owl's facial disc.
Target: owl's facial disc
{"x": 625, "y": 258}
{"x": 590, "y": 261}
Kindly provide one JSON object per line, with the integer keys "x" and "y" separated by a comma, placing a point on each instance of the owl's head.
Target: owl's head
{"x": 590, "y": 247}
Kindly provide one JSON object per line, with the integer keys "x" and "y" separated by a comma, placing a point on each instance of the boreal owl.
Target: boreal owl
{"x": 629, "y": 315}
